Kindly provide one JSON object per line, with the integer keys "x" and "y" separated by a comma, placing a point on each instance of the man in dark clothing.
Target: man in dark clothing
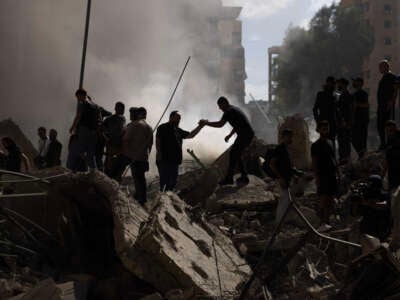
{"x": 113, "y": 129}
{"x": 101, "y": 141}
{"x": 344, "y": 120}
{"x": 13, "y": 158}
{"x": 387, "y": 93}
{"x": 245, "y": 134}
{"x": 85, "y": 126}
{"x": 169, "y": 140}
{"x": 136, "y": 145}
{"x": 53, "y": 157}
{"x": 325, "y": 106}
{"x": 360, "y": 117}
{"x": 393, "y": 155}
{"x": 325, "y": 171}
{"x": 282, "y": 167}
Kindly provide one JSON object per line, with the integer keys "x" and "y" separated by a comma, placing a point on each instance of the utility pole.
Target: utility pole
{"x": 85, "y": 40}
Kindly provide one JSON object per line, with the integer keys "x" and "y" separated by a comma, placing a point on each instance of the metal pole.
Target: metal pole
{"x": 85, "y": 40}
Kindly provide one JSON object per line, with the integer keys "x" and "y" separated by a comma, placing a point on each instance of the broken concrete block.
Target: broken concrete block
{"x": 250, "y": 197}
{"x": 46, "y": 289}
{"x": 300, "y": 148}
{"x": 172, "y": 251}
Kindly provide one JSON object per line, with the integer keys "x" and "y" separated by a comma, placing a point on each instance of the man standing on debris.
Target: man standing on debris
{"x": 325, "y": 170}
{"x": 85, "y": 126}
{"x": 53, "y": 157}
{"x": 325, "y": 106}
{"x": 344, "y": 120}
{"x": 43, "y": 147}
{"x": 360, "y": 117}
{"x": 169, "y": 140}
{"x": 137, "y": 142}
{"x": 113, "y": 129}
{"x": 282, "y": 167}
{"x": 387, "y": 93}
{"x": 393, "y": 155}
{"x": 245, "y": 134}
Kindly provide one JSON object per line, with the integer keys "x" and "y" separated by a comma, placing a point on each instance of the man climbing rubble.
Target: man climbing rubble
{"x": 245, "y": 134}
{"x": 325, "y": 170}
{"x": 282, "y": 168}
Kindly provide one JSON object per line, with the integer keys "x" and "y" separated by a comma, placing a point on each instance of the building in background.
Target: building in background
{"x": 273, "y": 53}
{"x": 384, "y": 18}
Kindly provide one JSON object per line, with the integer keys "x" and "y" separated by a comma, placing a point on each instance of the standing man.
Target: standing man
{"x": 325, "y": 172}
{"x": 393, "y": 155}
{"x": 136, "y": 145}
{"x": 169, "y": 140}
{"x": 113, "y": 129}
{"x": 245, "y": 134}
{"x": 325, "y": 106}
{"x": 360, "y": 117}
{"x": 387, "y": 93}
{"x": 43, "y": 147}
{"x": 85, "y": 126}
{"x": 282, "y": 167}
{"x": 344, "y": 120}
{"x": 53, "y": 157}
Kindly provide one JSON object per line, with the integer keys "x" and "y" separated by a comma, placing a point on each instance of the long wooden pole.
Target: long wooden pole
{"x": 85, "y": 41}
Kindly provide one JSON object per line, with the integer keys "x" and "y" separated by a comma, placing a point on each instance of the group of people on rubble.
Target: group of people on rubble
{"x": 343, "y": 118}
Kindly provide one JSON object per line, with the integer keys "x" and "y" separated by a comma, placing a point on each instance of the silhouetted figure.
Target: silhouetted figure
{"x": 325, "y": 171}
{"x": 13, "y": 157}
{"x": 43, "y": 148}
{"x": 120, "y": 161}
{"x": 113, "y": 129}
{"x": 387, "y": 93}
{"x": 360, "y": 118}
{"x": 53, "y": 157}
{"x": 325, "y": 106}
{"x": 137, "y": 142}
{"x": 344, "y": 120}
{"x": 169, "y": 140}
{"x": 245, "y": 134}
{"x": 283, "y": 170}
{"x": 393, "y": 155}
{"x": 85, "y": 126}
{"x": 101, "y": 141}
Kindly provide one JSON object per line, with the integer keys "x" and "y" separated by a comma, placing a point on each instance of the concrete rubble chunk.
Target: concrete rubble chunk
{"x": 253, "y": 196}
{"x": 174, "y": 252}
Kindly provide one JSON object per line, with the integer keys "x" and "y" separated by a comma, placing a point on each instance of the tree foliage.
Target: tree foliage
{"x": 336, "y": 43}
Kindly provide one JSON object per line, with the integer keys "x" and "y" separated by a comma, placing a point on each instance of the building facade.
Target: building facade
{"x": 384, "y": 18}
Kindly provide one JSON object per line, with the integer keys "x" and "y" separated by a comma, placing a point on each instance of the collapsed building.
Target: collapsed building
{"x": 82, "y": 236}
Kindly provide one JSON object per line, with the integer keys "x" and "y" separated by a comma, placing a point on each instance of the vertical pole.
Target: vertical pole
{"x": 85, "y": 40}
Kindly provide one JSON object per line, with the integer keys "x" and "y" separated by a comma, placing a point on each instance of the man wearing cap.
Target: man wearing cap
{"x": 344, "y": 120}
{"x": 360, "y": 117}
{"x": 387, "y": 93}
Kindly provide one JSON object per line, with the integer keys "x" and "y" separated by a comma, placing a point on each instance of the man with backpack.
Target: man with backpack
{"x": 278, "y": 165}
{"x": 85, "y": 126}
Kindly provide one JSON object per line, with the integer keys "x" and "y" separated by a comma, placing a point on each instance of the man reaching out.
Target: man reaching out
{"x": 245, "y": 134}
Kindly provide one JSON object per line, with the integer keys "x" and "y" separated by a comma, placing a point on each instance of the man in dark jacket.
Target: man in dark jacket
{"x": 387, "y": 93}
{"x": 325, "y": 106}
{"x": 360, "y": 117}
{"x": 53, "y": 157}
{"x": 344, "y": 120}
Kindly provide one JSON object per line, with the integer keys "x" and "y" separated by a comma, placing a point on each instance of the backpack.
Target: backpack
{"x": 266, "y": 165}
{"x": 90, "y": 116}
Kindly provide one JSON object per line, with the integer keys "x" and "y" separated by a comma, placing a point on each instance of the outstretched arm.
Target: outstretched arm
{"x": 195, "y": 131}
{"x": 217, "y": 124}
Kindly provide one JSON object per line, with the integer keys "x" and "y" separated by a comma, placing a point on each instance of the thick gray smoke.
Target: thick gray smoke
{"x": 136, "y": 51}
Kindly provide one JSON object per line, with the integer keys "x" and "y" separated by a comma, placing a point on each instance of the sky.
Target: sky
{"x": 264, "y": 25}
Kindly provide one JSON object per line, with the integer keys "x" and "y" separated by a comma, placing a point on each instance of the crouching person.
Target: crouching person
{"x": 282, "y": 169}
{"x": 136, "y": 145}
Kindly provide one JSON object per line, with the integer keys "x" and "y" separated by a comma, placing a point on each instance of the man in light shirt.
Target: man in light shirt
{"x": 43, "y": 148}
{"x": 136, "y": 145}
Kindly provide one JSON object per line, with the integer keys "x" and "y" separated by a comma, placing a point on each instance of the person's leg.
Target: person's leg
{"x": 341, "y": 143}
{"x": 173, "y": 170}
{"x": 326, "y": 207}
{"x": 138, "y": 171}
{"x": 347, "y": 144}
{"x": 381, "y": 122}
{"x": 283, "y": 204}
{"x": 118, "y": 167}
{"x": 163, "y": 176}
{"x": 356, "y": 137}
{"x": 364, "y": 138}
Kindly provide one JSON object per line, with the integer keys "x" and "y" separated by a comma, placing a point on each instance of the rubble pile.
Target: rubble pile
{"x": 85, "y": 237}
